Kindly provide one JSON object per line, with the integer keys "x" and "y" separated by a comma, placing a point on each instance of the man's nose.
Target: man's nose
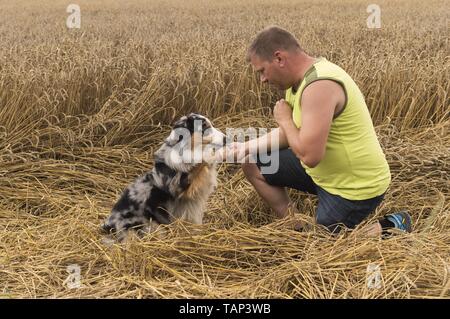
{"x": 263, "y": 79}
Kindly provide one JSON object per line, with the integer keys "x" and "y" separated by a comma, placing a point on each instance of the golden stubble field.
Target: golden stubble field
{"x": 82, "y": 110}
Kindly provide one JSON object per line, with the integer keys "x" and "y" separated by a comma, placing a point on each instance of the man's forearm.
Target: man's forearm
{"x": 294, "y": 139}
{"x": 292, "y": 136}
{"x": 276, "y": 139}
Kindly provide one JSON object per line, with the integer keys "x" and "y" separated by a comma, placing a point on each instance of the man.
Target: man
{"x": 327, "y": 143}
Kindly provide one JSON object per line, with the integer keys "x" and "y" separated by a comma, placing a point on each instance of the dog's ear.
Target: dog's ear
{"x": 195, "y": 123}
{"x": 180, "y": 122}
{"x": 184, "y": 128}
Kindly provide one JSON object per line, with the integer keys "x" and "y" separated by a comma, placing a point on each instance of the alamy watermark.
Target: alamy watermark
{"x": 73, "y": 281}
{"x": 374, "y": 19}
{"x": 373, "y": 276}
{"x": 196, "y": 145}
{"x": 73, "y": 21}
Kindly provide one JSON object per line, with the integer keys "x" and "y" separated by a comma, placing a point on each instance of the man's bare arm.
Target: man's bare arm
{"x": 319, "y": 102}
{"x": 267, "y": 142}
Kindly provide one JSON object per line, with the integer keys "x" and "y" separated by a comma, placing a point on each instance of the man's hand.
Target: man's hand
{"x": 235, "y": 152}
{"x": 282, "y": 112}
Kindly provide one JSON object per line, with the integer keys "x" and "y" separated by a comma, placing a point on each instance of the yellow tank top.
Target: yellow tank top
{"x": 354, "y": 165}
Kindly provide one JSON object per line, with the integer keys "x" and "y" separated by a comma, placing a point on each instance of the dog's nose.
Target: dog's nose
{"x": 107, "y": 228}
{"x": 224, "y": 142}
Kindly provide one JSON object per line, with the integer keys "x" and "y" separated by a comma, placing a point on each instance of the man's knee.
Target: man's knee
{"x": 332, "y": 222}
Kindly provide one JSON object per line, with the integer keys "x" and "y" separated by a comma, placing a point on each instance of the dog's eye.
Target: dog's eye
{"x": 206, "y": 125}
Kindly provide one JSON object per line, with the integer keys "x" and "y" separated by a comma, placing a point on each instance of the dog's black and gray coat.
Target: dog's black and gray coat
{"x": 177, "y": 187}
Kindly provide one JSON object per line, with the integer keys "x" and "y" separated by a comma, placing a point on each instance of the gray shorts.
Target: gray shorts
{"x": 332, "y": 211}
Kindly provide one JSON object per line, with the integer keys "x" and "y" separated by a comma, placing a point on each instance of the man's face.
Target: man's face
{"x": 270, "y": 71}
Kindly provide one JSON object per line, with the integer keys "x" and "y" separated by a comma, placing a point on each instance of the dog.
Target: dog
{"x": 178, "y": 186}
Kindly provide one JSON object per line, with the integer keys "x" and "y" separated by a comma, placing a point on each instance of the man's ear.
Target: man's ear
{"x": 279, "y": 58}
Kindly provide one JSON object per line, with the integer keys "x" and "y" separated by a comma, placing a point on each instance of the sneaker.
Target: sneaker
{"x": 401, "y": 221}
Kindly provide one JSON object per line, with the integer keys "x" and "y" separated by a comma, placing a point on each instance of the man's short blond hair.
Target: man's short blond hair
{"x": 271, "y": 39}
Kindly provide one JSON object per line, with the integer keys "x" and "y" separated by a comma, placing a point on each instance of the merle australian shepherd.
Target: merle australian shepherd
{"x": 178, "y": 186}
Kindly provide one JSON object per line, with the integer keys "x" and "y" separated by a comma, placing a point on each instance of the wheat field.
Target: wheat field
{"x": 82, "y": 111}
